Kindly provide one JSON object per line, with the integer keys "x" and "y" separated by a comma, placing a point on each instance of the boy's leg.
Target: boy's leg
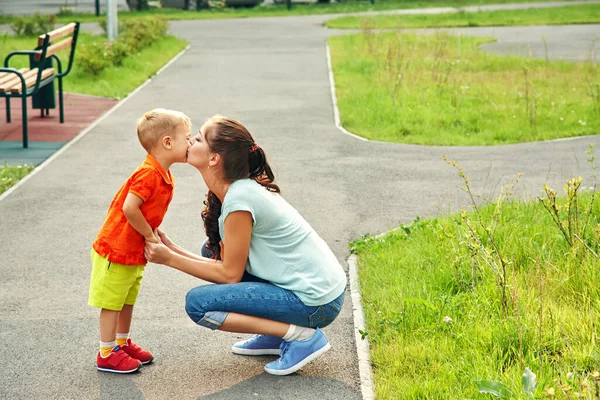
{"x": 109, "y": 285}
{"x": 124, "y": 324}
{"x": 108, "y": 330}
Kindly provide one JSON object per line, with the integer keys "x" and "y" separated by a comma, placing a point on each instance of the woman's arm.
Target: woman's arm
{"x": 238, "y": 230}
{"x": 159, "y": 233}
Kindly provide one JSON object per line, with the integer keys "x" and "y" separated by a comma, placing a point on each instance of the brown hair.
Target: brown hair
{"x": 157, "y": 123}
{"x": 241, "y": 160}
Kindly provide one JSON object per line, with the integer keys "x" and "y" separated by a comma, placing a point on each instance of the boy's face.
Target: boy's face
{"x": 180, "y": 143}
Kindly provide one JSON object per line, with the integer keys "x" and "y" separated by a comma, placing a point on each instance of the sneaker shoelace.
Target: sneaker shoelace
{"x": 283, "y": 350}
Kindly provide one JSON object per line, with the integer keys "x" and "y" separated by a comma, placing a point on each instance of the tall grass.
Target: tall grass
{"x": 439, "y": 89}
{"x": 484, "y": 294}
{"x": 575, "y": 14}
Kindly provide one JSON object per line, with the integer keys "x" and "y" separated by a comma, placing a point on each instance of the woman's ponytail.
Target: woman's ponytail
{"x": 210, "y": 216}
{"x": 260, "y": 170}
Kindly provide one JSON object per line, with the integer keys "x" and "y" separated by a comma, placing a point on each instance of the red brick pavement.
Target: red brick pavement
{"x": 80, "y": 112}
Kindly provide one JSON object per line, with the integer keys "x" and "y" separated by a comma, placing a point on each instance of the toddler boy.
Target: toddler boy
{"x": 118, "y": 252}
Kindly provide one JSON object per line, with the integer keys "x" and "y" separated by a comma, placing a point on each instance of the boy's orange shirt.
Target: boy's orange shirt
{"x": 117, "y": 240}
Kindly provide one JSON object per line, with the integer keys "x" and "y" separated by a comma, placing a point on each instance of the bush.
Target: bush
{"x": 140, "y": 32}
{"x": 134, "y": 35}
{"x": 33, "y": 26}
{"x": 118, "y": 51}
{"x": 93, "y": 59}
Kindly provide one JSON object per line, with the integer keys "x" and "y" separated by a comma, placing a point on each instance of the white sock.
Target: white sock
{"x": 296, "y": 332}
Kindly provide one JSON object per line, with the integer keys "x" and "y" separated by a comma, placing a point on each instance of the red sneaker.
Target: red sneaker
{"x": 117, "y": 361}
{"x": 136, "y": 352}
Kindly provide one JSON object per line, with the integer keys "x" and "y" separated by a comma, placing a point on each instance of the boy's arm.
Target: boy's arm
{"x": 131, "y": 209}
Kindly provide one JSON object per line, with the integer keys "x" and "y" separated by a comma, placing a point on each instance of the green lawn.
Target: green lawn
{"x": 441, "y": 313}
{"x": 577, "y": 14}
{"x": 281, "y": 9}
{"x": 439, "y": 89}
{"x": 11, "y": 174}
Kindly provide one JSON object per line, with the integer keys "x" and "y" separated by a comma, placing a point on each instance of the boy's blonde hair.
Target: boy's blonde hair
{"x": 157, "y": 123}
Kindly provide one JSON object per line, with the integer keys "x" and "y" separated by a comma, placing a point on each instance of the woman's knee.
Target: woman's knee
{"x": 204, "y": 251}
{"x": 193, "y": 304}
{"x": 197, "y": 307}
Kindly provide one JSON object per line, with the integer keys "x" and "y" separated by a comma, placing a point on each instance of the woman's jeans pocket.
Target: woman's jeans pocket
{"x": 327, "y": 313}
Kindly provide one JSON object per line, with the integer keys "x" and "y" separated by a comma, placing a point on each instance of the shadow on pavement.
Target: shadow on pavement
{"x": 117, "y": 386}
{"x": 293, "y": 386}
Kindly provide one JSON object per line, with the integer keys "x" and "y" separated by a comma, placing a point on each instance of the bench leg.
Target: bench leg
{"x": 25, "y": 141}
{"x": 41, "y": 104}
{"x": 61, "y": 106}
{"x": 8, "y": 109}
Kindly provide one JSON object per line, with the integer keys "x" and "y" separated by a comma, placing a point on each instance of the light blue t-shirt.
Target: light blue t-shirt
{"x": 284, "y": 248}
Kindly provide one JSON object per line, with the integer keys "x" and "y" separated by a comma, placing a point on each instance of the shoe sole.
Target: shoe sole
{"x": 118, "y": 372}
{"x": 255, "y": 352}
{"x": 299, "y": 365}
{"x": 147, "y": 362}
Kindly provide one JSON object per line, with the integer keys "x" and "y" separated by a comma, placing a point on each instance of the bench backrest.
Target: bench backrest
{"x": 49, "y": 47}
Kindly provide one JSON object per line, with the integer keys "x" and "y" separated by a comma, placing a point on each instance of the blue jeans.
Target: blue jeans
{"x": 209, "y": 305}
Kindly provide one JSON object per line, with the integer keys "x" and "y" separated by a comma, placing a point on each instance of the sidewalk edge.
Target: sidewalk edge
{"x": 90, "y": 127}
{"x": 336, "y": 111}
{"x": 362, "y": 345}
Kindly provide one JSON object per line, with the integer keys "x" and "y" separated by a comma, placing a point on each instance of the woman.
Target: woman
{"x": 275, "y": 277}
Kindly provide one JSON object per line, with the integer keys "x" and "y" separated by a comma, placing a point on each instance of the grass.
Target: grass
{"x": 435, "y": 314}
{"x": 576, "y": 14}
{"x": 114, "y": 82}
{"x": 281, "y": 10}
{"x": 439, "y": 89}
{"x": 10, "y": 175}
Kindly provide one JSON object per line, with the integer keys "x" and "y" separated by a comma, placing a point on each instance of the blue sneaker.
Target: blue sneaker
{"x": 258, "y": 345}
{"x": 298, "y": 353}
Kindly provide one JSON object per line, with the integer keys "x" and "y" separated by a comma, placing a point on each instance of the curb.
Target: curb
{"x": 362, "y": 345}
{"x": 89, "y": 128}
{"x": 336, "y": 111}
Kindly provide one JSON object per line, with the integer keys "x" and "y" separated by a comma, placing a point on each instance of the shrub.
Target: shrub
{"x": 134, "y": 35}
{"x": 93, "y": 59}
{"x": 140, "y": 33}
{"x": 118, "y": 51}
{"x": 33, "y": 26}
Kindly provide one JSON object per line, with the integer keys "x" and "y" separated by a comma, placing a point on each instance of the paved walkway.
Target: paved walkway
{"x": 272, "y": 75}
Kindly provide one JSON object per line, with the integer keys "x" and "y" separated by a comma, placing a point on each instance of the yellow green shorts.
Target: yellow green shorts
{"x": 112, "y": 285}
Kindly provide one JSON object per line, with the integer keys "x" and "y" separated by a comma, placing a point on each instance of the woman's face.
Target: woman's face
{"x": 199, "y": 153}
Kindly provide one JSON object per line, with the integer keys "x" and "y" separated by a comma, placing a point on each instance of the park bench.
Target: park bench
{"x": 27, "y": 82}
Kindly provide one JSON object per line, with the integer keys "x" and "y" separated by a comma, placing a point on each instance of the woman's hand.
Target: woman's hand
{"x": 162, "y": 236}
{"x": 157, "y": 253}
